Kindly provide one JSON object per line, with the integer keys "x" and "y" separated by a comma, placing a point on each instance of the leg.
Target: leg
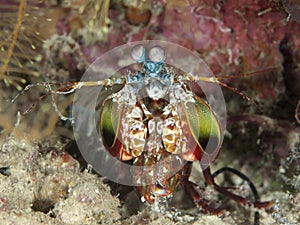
{"x": 190, "y": 188}
{"x": 209, "y": 178}
{"x": 257, "y": 203}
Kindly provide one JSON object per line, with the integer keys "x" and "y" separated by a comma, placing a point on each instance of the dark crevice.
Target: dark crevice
{"x": 42, "y": 205}
{"x": 5, "y": 171}
{"x": 285, "y": 106}
{"x": 291, "y": 71}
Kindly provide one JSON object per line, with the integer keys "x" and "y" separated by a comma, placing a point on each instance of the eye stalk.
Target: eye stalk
{"x": 153, "y": 68}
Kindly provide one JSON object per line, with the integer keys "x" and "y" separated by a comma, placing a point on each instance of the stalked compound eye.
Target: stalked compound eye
{"x": 138, "y": 53}
{"x": 157, "y": 54}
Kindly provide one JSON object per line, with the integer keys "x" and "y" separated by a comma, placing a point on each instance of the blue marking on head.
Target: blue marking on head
{"x": 153, "y": 63}
{"x": 153, "y": 67}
